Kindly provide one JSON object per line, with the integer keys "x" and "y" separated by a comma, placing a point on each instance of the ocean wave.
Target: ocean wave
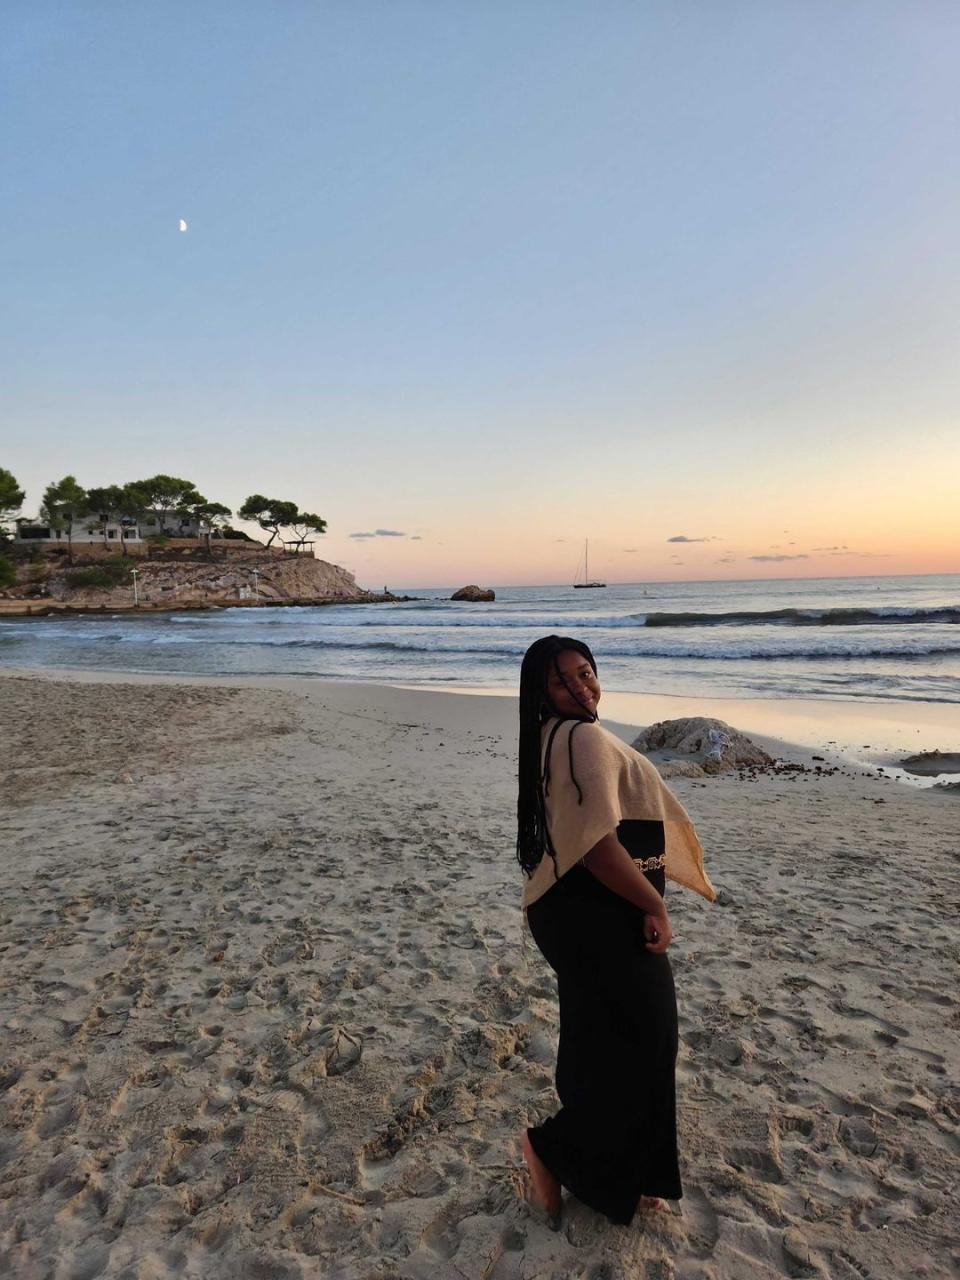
{"x": 642, "y": 647}
{"x": 59, "y": 631}
{"x": 804, "y": 617}
{"x": 388, "y": 616}
{"x": 453, "y": 617}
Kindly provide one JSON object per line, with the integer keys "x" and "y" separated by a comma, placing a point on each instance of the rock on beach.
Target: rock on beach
{"x": 929, "y": 764}
{"x": 712, "y": 746}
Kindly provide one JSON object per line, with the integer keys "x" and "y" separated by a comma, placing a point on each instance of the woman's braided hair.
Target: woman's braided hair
{"x": 533, "y": 835}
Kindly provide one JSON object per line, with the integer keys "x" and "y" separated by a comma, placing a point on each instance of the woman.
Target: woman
{"x": 597, "y": 832}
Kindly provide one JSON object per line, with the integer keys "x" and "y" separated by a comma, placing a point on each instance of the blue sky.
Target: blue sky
{"x": 495, "y": 274}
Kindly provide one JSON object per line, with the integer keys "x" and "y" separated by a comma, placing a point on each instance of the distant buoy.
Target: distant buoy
{"x": 183, "y": 224}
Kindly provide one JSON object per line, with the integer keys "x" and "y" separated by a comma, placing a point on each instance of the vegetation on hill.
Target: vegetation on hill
{"x": 274, "y": 514}
{"x": 111, "y": 573}
{"x": 162, "y": 497}
{"x": 11, "y": 497}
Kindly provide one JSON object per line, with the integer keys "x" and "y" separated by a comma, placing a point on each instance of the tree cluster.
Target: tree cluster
{"x": 274, "y": 514}
{"x": 66, "y": 502}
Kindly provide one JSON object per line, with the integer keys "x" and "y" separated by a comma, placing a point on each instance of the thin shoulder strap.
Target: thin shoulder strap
{"x": 574, "y": 723}
{"x": 573, "y": 776}
{"x": 546, "y": 760}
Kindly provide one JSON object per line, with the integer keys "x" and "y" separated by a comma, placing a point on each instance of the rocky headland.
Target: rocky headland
{"x": 180, "y": 578}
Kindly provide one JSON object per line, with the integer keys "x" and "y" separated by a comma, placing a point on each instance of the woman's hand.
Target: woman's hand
{"x": 609, "y": 861}
{"x": 657, "y": 931}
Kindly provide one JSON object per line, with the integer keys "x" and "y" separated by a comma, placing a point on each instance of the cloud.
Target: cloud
{"x": 855, "y": 555}
{"x": 802, "y": 556}
{"x": 416, "y": 537}
{"x": 363, "y": 535}
{"x": 682, "y": 537}
{"x": 725, "y": 560}
{"x": 630, "y": 550}
{"x": 380, "y": 533}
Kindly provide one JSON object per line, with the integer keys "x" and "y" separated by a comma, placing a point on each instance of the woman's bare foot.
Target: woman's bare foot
{"x": 646, "y": 1204}
{"x": 546, "y": 1189}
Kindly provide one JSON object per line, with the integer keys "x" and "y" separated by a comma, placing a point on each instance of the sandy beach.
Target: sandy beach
{"x": 267, "y": 1011}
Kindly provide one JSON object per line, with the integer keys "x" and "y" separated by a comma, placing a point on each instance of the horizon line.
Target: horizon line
{"x": 839, "y": 577}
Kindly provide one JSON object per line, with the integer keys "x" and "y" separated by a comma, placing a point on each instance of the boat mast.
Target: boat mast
{"x": 586, "y": 560}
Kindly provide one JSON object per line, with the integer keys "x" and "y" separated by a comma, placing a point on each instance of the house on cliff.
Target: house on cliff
{"x": 88, "y": 529}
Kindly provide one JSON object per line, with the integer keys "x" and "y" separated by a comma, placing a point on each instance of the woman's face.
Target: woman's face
{"x": 572, "y": 685}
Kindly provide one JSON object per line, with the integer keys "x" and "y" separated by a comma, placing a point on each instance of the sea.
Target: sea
{"x": 874, "y": 639}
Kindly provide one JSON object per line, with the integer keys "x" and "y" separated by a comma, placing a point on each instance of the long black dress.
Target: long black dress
{"x": 615, "y": 1137}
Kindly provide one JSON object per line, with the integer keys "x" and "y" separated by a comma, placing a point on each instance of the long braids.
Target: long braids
{"x": 533, "y": 833}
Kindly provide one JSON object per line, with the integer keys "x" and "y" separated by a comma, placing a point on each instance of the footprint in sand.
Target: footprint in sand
{"x": 335, "y": 1052}
{"x": 794, "y": 1128}
{"x": 424, "y": 1183}
{"x": 701, "y": 1220}
{"x": 441, "y": 1237}
{"x": 89, "y": 1262}
{"x": 54, "y": 1120}
{"x": 859, "y": 1136}
{"x": 755, "y": 1161}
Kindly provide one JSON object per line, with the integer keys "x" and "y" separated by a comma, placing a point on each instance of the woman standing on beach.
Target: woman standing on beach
{"x": 597, "y": 832}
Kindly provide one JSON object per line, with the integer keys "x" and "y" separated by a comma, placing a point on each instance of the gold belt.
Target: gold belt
{"x": 651, "y": 864}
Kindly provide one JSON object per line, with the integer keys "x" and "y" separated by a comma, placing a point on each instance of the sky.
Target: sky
{"x": 480, "y": 281}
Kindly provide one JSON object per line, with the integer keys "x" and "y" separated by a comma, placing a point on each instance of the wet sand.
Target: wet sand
{"x": 266, "y": 1009}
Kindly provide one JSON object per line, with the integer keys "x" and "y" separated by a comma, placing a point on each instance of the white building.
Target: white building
{"x": 88, "y": 529}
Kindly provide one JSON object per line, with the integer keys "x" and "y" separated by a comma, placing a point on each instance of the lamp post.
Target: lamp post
{"x": 256, "y": 584}
{"x": 136, "y": 597}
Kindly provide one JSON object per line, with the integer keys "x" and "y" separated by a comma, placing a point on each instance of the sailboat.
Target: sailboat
{"x": 586, "y": 570}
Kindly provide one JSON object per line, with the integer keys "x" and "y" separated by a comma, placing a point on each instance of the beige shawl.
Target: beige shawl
{"x": 615, "y": 783}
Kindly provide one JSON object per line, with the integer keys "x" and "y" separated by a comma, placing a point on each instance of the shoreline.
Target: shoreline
{"x": 52, "y": 609}
{"x": 836, "y": 728}
{"x": 792, "y": 728}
